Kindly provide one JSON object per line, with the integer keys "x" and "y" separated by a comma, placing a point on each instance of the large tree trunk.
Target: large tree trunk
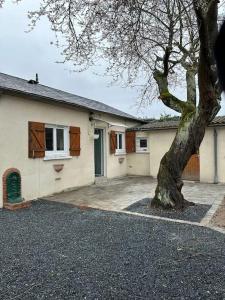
{"x": 193, "y": 119}
{"x": 186, "y": 143}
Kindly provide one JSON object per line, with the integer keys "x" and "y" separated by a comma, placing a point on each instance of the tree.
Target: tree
{"x": 158, "y": 39}
{"x": 194, "y": 119}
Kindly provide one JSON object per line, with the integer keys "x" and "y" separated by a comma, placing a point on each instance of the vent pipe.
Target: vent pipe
{"x": 215, "y": 156}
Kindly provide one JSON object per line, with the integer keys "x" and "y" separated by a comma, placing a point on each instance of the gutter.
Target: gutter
{"x": 215, "y": 156}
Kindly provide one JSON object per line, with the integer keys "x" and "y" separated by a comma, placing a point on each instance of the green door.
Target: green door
{"x": 99, "y": 167}
{"x": 13, "y": 186}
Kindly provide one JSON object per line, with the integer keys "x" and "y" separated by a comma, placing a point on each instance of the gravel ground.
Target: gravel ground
{"x": 192, "y": 213}
{"x": 56, "y": 251}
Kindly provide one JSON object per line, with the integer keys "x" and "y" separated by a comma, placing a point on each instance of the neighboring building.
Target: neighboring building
{"x": 154, "y": 139}
{"x": 53, "y": 141}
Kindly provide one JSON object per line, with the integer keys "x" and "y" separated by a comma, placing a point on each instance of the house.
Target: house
{"x": 154, "y": 139}
{"x": 52, "y": 141}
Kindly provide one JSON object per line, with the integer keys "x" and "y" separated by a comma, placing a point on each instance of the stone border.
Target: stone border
{"x": 208, "y": 217}
{"x": 218, "y": 229}
{"x": 17, "y": 206}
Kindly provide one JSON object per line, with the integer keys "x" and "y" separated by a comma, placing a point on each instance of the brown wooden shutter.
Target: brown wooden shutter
{"x": 36, "y": 140}
{"x": 130, "y": 141}
{"x": 75, "y": 141}
{"x": 112, "y": 142}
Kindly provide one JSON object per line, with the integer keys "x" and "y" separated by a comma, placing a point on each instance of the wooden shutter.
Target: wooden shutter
{"x": 112, "y": 142}
{"x": 36, "y": 140}
{"x": 130, "y": 141}
{"x": 75, "y": 141}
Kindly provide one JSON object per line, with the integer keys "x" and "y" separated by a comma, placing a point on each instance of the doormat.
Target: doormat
{"x": 192, "y": 213}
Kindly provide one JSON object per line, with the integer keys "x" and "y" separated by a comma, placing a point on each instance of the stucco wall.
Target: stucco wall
{"x": 207, "y": 159}
{"x": 160, "y": 142}
{"x": 139, "y": 163}
{"x": 38, "y": 176}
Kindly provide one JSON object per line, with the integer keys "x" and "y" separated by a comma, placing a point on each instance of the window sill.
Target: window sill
{"x": 47, "y": 158}
{"x": 120, "y": 153}
{"x": 142, "y": 152}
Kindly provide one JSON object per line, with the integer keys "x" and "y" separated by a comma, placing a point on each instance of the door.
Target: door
{"x": 99, "y": 152}
{"x": 192, "y": 170}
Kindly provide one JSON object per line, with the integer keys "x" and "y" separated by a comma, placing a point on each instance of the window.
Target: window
{"x": 56, "y": 141}
{"x": 141, "y": 144}
{"x": 120, "y": 143}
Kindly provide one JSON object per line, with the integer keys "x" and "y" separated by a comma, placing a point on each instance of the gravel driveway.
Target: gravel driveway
{"x": 55, "y": 251}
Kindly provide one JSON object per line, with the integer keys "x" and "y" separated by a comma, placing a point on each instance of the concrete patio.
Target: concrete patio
{"x": 119, "y": 193}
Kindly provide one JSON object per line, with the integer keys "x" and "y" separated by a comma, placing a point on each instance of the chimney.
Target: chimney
{"x": 37, "y": 81}
{"x": 31, "y": 81}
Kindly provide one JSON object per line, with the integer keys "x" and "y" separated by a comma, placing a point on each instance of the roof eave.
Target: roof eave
{"x": 172, "y": 127}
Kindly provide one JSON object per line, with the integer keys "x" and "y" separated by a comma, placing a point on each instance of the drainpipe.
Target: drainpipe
{"x": 215, "y": 156}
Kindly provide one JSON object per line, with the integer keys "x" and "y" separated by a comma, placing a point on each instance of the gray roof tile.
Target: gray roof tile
{"x": 12, "y": 84}
{"x": 172, "y": 124}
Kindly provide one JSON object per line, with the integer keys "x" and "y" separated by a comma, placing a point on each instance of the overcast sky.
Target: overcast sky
{"x": 24, "y": 54}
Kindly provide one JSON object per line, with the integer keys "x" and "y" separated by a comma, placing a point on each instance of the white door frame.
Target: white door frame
{"x": 104, "y": 149}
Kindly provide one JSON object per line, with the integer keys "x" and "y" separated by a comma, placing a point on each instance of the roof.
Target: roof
{"x": 172, "y": 124}
{"x": 12, "y": 84}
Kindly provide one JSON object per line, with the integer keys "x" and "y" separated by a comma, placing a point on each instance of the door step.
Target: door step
{"x": 101, "y": 180}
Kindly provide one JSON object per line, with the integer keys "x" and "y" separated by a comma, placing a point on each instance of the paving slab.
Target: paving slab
{"x": 117, "y": 194}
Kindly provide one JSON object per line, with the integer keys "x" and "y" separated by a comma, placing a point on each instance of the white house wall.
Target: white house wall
{"x": 207, "y": 159}
{"x": 139, "y": 163}
{"x": 160, "y": 142}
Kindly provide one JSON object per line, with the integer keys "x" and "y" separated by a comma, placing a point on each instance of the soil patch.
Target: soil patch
{"x": 192, "y": 213}
{"x": 219, "y": 216}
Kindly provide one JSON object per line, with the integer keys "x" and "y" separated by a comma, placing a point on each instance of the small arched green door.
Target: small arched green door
{"x": 13, "y": 186}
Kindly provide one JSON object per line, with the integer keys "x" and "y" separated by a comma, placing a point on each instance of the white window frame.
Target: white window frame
{"x": 55, "y": 154}
{"x": 123, "y": 150}
{"x": 140, "y": 149}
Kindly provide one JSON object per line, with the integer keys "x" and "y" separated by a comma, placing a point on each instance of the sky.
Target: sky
{"x": 24, "y": 54}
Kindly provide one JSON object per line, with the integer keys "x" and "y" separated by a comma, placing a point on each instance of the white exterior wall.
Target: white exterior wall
{"x": 160, "y": 142}
{"x": 139, "y": 163}
{"x": 38, "y": 176}
{"x": 207, "y": 158}
{"x": 147, "y": 164}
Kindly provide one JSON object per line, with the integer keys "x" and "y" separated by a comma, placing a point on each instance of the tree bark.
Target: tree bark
{"x": 193, "y": 119}
{"x": 186, "y": 143}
